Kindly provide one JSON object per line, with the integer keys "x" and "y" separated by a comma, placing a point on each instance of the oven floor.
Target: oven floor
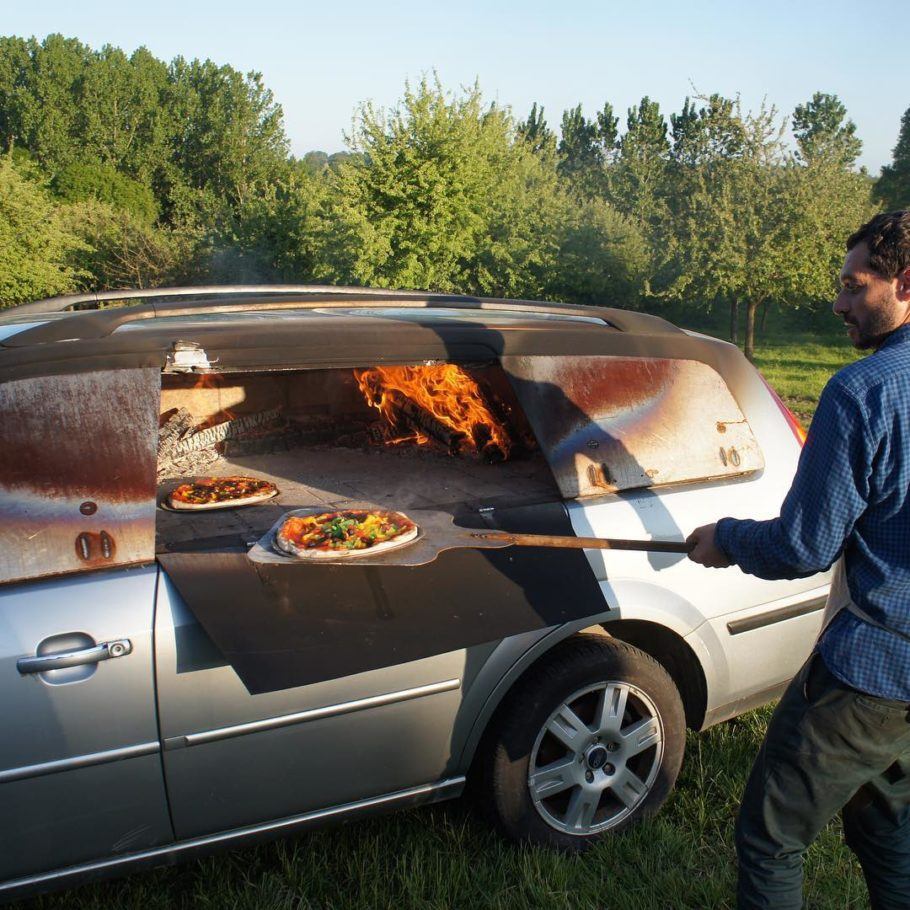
{"x": 402, "y": 480}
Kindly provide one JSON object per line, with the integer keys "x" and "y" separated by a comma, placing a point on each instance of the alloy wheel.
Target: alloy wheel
{"x": 596, "y": 758}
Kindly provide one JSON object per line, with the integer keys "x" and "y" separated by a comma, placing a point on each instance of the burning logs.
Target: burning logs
{"x": 435, "y": 403}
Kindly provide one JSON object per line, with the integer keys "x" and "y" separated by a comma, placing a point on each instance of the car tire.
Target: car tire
{"x": 590, "y": 742}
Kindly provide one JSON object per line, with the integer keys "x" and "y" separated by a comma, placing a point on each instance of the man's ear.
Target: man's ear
{"x": 903, "y": 285}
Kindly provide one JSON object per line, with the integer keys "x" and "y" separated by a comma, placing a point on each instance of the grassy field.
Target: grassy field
{"x": 445, "y": 857}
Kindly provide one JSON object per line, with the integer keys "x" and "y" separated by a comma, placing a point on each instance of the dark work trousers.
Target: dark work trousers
{"x": 828, "y": 748}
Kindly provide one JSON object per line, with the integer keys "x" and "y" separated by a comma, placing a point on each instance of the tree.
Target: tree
{"x": 703, "y": 139}
{"x": 536, "y": 133}
{"x": 92, "y": 180}
{"x": 641, "y": 167}
{"x": 227, "y": 138}
{"x": 122, "y": 116}
{"x": 47, "y": 105}
{"x": 439, "y": 197}
{"x": 36, "y": 246}
{"x": 893, "y": 187}
{"x": 603, "y": 257}
{"x": 761, "y": 226}
{"x": 120, "y": 250}
{"x": 15, "y": 63}
{"x": 705, "y": 134}
{"x": 581, "y": 156}
{"x": 823, "y": 131}
{"x": 608, "y": 132}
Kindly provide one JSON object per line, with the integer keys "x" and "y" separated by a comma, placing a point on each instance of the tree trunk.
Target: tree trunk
{"x": 751, "y": 307}
{"x": 734, "y": 321}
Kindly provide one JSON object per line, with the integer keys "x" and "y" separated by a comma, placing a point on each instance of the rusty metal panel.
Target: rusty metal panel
{"x": 608, "y": 423}
{"x": 77, "y": 472}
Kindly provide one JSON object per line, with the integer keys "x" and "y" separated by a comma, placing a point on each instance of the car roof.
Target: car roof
{"x": 97, "y": 331}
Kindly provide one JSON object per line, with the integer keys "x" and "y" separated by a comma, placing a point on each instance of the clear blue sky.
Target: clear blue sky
{"x": 322, "y": 60}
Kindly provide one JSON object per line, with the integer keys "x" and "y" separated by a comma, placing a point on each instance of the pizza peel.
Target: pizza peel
{"x": 437, "y": 532}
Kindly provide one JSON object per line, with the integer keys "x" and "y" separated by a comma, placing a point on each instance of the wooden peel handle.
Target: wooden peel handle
{"x": 584, "y": 543}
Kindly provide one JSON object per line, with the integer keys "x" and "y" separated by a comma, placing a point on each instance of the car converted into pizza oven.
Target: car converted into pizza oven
{"x": 171, "y": 680}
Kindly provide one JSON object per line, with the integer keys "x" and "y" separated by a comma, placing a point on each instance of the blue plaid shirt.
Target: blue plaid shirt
{"x": 851, "y": 494}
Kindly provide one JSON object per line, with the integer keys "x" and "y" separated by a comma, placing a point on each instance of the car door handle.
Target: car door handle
{"x": 104, "y": 651}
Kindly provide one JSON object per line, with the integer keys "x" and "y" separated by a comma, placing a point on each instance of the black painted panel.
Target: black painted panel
{"x": 282, "y": 626}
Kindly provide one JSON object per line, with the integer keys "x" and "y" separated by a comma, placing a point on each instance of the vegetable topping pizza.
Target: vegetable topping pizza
{"x": 345, "y": 533}
{"x": 221, "y": 493}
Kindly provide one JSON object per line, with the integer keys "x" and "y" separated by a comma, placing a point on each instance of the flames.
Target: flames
{"x": 438, "y": 403}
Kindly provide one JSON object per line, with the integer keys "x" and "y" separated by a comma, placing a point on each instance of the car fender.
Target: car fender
{"x": 625, "y": 599}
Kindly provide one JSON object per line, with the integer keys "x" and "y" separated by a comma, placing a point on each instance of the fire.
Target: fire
{"x": 439, "y": 402}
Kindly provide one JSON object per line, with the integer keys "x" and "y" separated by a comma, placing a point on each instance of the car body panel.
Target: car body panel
{"x": 312, "y": 761}
{"x": 80, "y": 773}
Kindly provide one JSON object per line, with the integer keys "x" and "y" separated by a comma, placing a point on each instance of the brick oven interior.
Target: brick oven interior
{"x": 314, "y": 435}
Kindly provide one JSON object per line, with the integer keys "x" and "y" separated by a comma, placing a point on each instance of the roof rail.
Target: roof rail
{"x": 102, "y": 323}
{"x": 78, "y": 301}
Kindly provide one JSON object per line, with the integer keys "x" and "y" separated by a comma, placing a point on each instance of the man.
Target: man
{"x": 840, "y": 736}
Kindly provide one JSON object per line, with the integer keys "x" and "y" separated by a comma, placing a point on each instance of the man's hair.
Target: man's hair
{"x": 888, "y": 238}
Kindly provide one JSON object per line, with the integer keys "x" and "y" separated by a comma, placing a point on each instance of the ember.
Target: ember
{"x": 438, "y": 403}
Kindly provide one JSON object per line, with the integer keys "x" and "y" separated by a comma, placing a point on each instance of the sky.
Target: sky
{"x": 322, "y": 61}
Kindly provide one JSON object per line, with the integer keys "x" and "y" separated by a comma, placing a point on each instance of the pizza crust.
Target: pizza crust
{"x": 288, "y": 548}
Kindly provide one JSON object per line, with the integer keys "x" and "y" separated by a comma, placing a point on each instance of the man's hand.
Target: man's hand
{"x": 704, "y": 550}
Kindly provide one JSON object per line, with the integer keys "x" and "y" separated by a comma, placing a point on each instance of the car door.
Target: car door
{"x": 80, "y": 769}
{"x": 233, "y": 759}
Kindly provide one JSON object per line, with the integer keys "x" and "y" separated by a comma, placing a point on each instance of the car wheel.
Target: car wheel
{"x": 590, "y": 743}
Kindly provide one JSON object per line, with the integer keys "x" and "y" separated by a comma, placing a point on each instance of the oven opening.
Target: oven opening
{"x": 433, "y": 436}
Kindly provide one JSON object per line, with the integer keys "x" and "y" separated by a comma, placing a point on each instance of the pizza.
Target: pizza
{"x": 349, "y": 532}
{"x": 221, "y": 493}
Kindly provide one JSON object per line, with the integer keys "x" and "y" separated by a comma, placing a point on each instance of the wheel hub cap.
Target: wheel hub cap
{"x": 596, "y": 757}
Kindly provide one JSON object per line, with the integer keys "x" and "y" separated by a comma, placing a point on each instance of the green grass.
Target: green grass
{"x": 446, "y": 857}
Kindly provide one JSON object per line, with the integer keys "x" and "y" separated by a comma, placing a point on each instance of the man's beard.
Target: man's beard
{"x": 880, "y": 323}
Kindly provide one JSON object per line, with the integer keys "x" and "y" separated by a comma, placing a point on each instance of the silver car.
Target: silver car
{"x": 171, "y": 684}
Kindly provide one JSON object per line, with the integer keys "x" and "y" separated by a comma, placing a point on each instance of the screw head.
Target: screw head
{"x": 612, "y": 747}
{"x": 609, "y": 769}
{"x": 589, "y": 777}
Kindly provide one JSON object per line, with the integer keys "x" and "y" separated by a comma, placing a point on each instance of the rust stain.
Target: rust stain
{"x": 90, "y": 436}
{"x": 77, "y": 472}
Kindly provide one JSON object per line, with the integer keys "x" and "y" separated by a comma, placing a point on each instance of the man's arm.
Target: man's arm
{"x": 829, "y": 493}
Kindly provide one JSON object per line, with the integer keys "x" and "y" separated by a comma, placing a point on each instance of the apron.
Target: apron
{"x": 839, "y": 599}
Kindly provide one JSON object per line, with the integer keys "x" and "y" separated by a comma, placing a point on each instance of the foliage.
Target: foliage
{"x": 227, "y": 135}
{"x": 181, "y": 171}
{"x": 754, "y": 225}
{"x": 603, "y": 257}
{"x": 121, "y": 250}
{"x": 537, "y": 133}
{"x": 449, "y": 195}
{"x": 823, "y": 131}
{"x": 639, "y": 187}
{"x": 893, "y": 187}
{"x": 36, "y": 246}
{"x": 580, "y": 154}
{"x": 415, "y": 210}
{"x": 91, "y": 180}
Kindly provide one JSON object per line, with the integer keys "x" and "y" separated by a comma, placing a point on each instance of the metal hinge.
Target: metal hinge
{"x": 187, "y": 357}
